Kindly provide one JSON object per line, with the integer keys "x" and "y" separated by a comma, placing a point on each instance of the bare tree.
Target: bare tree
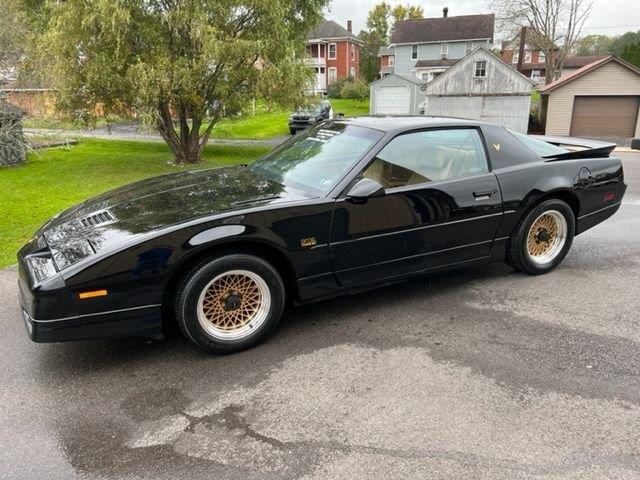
{"x": 554, "y": 26}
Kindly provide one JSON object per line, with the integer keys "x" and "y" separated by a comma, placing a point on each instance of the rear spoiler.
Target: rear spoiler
{"x": 584, "y": 148}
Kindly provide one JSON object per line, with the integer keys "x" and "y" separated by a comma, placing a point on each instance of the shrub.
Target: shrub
{"x": 334, "y": 90}
{"x": 357, "y": 89}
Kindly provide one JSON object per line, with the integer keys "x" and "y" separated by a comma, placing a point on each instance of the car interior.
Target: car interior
{"x": 422, "y": 157}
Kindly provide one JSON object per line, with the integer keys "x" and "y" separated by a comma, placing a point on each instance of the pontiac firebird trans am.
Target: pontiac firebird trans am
{"x": 349, "y": 204}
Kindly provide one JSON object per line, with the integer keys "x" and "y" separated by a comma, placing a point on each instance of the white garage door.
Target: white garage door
{"x": 392, "y": 100}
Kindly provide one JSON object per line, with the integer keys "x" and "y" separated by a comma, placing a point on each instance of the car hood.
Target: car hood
{"x": 117, "y": 216}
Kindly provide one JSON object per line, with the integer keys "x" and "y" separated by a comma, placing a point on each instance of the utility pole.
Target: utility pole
{"x": 523, "y": 41}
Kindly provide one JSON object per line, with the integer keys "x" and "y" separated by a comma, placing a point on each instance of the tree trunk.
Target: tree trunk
{"x": 185, "y": 143}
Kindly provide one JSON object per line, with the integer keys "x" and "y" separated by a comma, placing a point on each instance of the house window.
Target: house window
{"x": 542, "y": 57}
{"x": 425, "y": 76}
{"x": 392, "y": 60}
{"x": 468, "y": 47}
{"x": 333, "y": 75}
{"x": 527, "y": 57}
{"x": 414, "y": 73}
{"x": 352, "y": 72}
{"x": 481, "y": 68}
{"x": 535, "y": 75}
{"x": 444, "y": 50}
{"x": 353, "y": 52}
{"x": 332, "y": 51}
{"x": 516, "y": 57}
{"x": 414, "y": 52}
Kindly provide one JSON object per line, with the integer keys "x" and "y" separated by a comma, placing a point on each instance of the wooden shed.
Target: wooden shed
{"x": 601, "y": 99}
{"x": 395, "y": 94}
{"x": 481, "y": 86}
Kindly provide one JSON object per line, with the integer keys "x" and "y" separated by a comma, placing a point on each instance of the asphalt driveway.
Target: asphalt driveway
{"x": 478, "y": 374}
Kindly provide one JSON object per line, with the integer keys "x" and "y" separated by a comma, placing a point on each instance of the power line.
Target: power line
{"x": 611, "y": 26}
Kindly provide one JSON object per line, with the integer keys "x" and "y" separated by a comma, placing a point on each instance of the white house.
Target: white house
{"x": 426, "y": 47}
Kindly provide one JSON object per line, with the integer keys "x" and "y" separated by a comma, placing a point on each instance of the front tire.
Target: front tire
{"x": 230, "y": 303}
{"x": 542, "y": 238}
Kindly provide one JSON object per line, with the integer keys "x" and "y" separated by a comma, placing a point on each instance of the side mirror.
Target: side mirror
{"x": 363, "y": 190}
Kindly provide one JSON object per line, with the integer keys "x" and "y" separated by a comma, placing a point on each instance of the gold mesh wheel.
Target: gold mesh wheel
{"x": 546, "y": 237}
{"x": 234, "y": 304}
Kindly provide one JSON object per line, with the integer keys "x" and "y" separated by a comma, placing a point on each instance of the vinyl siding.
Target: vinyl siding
{"x": 429, "y": 51}
{"x": 416, "y": 96}
{"x": 609, "y": 79}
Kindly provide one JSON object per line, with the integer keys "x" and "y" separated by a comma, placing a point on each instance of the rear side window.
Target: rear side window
{"x": 428, "y": 156}
{"x": 538, "y": 146}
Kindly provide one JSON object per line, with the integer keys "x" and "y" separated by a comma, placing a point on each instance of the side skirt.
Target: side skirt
{"x": 397, "y": 279}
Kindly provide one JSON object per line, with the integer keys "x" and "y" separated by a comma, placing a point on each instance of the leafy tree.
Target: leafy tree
{"x": 381, "y": 17}
{"x": 407, "y": 12}
{"x": 196, "y": 60}
{"x": 631, "y": 53}
{"x": 13, "y": 32}
{"x": 594, "y": 45}
{"x": 369, "y": 61}
{"x": 378, "y": 20}
{"x": 619, "y": 43}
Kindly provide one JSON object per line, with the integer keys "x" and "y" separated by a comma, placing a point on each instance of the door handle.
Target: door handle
{"x": 484, "y": 194}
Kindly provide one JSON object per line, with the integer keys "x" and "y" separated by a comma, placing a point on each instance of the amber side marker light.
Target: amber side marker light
{"x": 92, "y": 294}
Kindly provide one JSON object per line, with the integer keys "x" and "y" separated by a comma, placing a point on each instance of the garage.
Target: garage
{"x": 480, "y": 86}
{"x": 614, "y": 116}
{"x": 395, "y": 95}
{"x": 393, "y": 100}
{"x": 599, "y": 100}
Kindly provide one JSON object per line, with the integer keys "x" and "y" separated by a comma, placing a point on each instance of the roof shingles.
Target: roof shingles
{"x": 462, "y": 27}
{"x": 329, "y": 29}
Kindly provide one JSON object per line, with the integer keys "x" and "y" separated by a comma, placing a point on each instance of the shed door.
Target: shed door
{"x": 604, "y": 116}
{"x": 392, "y": 100}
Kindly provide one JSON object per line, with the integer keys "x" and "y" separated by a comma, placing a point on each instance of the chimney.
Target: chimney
{"x": 445, "y": 12}
{"x": 349, "y": 25}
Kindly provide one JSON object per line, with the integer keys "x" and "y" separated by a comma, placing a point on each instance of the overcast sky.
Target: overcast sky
{"x": 609, "y": 17}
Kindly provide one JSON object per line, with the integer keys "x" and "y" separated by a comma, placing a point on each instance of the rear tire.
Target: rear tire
{"x": 292, "y": 131}
{"x": 542, "y": 239}
{"x": 230, "y": 303}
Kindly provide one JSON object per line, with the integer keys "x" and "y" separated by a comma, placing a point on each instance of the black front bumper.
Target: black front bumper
{"x": 143, "y": 322}
{"x": 50, "y": 313}
{"x": 300, "y": 124}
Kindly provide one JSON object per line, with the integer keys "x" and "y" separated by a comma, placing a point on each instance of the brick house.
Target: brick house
{"x": 387, "y": 58}
{"x": 533, "y": 63}
{"x": 334, "y": 53}
{"x": 426, "y": 47}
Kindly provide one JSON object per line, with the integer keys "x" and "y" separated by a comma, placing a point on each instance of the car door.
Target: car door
{"x": 442, "y": 206}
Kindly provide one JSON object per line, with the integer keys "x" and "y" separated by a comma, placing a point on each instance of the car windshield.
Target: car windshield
{"x": 540, "y": 147}
{"x": 317, "y": 159}
{"x": 309, "y": 110}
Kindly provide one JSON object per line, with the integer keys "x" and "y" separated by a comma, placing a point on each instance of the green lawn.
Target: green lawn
{"x": 268, "y": 124}
{"x": 55, "y": 179}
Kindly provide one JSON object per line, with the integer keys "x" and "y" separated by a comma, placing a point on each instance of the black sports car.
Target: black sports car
{"x": 347, "y": 205}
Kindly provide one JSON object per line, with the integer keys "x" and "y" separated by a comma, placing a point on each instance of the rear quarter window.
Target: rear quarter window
{"x": 538, "y": 146}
